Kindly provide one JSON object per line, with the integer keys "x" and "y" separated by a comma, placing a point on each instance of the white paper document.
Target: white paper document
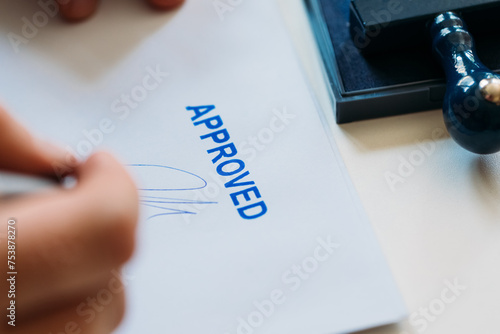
{"x": 249, "y": 223}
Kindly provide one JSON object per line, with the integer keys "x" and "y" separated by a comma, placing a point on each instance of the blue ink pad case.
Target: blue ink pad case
{"x": 395, "y": 72}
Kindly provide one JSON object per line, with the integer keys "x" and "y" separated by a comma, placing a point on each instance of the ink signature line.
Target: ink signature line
{"x": 159, "y": 178}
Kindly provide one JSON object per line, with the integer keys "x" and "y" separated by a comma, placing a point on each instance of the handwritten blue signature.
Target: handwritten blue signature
{"x": 158, "y": 179}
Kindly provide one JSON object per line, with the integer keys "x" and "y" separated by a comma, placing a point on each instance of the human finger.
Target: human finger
{"x": 165, "y": 4}
{"x": 69, "y": 239}
{"x": 21, "y": 152}
{"x": 77, "y": 10}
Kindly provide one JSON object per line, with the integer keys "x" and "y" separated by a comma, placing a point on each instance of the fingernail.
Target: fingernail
{"x": 56, "y": 154}
{"x": 61, "y": 161}
{"x": 76, "y": 10}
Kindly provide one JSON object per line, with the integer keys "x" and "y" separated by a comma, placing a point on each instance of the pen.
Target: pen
{"x": 12, "y": 184}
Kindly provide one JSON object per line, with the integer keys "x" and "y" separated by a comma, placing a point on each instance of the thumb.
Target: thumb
{"x": 20, "y": 152}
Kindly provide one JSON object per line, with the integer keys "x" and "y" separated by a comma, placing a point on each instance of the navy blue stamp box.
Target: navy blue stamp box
{"x": 381, "y": 80}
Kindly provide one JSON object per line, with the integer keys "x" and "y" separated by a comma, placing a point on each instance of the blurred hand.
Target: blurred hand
{"x": 75, "y": 10}
{"x": 70, "y": 243}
